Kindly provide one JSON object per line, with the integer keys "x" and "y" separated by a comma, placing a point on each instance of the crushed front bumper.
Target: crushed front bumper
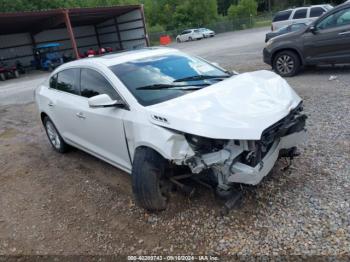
{"x": 245, "y": 174}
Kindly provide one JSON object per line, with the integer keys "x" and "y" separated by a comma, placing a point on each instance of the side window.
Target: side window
{"x": 53, "y": 81}
{"x": 317, "y": 11}
{"x": 282, "y": 16}
{"x": 300, "y": 14}
{"x": 339, "y": 18}
{"x": 93, "y": 83}
{"x": 68, "y": 81}
{"x": 344, "y": 18}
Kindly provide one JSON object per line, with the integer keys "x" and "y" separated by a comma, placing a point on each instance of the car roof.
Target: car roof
{"x": 121, "y": 57}
{"x": 48, "y": 45}
{"x": 302, "y": 7}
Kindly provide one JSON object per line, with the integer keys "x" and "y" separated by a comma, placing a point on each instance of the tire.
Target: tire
{"x": 286, "y": 63}
{"x": 16, "y": 74}
{"x": 178, "y": 40}
{"x": 54, "y": 136}
{"x": 190, "y": 39}
{"x": 148, "y": 179}
{"x": 50, "y": 68}
{"x": 2, "y": 77}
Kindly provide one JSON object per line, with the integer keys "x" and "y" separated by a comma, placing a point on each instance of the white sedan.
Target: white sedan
{"x": 189, "y": 35}
{"x": 157, "y": 112}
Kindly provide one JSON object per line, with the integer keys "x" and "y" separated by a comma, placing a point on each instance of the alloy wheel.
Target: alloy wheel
{"x": 285, "y": 64}
{"x": 53, "y": 135}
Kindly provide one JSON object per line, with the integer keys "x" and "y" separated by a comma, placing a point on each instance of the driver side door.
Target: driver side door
{"x": 330, "y": 42}
{"x": 102, "y": 129}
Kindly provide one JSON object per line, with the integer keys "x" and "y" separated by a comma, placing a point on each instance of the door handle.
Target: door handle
{"x": 50, "y": 104}
{"x": 344, "y": 33}
{"x": 80, "y": 115}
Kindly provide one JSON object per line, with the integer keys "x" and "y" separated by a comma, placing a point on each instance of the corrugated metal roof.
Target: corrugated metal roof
{"x": 35, "y": 21}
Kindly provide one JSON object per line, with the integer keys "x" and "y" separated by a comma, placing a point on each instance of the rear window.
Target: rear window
{"x": 300, "y": 14}
{"x": 316, "y": 11}
{"x": 281, "y": 16}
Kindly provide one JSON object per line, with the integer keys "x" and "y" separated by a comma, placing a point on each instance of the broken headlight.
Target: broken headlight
{"x": 205, "y": 145}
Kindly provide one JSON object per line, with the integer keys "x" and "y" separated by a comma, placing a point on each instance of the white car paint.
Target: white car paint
{"x": 238, "y": 108}
{"x": 216, "y": 111}
{"x": 207, "y": 32}
{"x": 188, "y": 35}
{"x": 291, "y": 20}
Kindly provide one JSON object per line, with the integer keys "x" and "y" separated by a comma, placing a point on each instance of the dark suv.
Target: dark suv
{"x": 325, "y": 41}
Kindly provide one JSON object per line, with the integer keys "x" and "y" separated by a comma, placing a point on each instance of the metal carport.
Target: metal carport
{"x": 77, "y": 29}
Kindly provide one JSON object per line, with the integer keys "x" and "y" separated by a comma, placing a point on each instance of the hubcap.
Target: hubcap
{"x": 53, "y": 135}
{"x": 285, "y": 64}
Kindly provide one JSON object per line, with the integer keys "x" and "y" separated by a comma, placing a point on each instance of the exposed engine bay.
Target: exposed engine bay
{"x": 247, "y": 161}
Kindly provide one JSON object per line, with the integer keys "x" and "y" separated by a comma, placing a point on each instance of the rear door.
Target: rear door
{"x": 64, "y": 103}
{"x": 330, "y": 43}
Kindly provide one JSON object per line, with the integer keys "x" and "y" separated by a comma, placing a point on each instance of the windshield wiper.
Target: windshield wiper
{"x": 170, "y": 87}
{"x": 200, "y": 77}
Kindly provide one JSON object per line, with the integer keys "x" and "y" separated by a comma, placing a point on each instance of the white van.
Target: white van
{"x": 298, "y": 15}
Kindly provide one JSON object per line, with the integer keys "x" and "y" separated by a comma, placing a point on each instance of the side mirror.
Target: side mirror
{"x": 104, "y": 101}
{"x": 312, "y": 29}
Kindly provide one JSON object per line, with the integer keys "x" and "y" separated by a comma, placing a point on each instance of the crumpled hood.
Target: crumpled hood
{"x": 240, "y": 107}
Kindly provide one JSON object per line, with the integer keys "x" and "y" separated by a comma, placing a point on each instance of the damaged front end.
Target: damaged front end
{"x": 246, "y": 161}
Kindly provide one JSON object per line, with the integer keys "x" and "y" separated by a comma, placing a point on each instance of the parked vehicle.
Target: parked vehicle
{"x": 157, "y": 112}
{"x": 47, "y": 56}
{"x": 298, "y": 15}
{"x": 19, "y": 66}
{"x": 189, "y": 35}
{"x": 285, "y": 30}
{"x": 7, "y": 71}
{"x": 206, "y": 32}
{"x": 325, "y": 41}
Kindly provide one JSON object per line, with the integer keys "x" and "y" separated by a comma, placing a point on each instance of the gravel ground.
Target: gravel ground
{"x": 77, "y": 204}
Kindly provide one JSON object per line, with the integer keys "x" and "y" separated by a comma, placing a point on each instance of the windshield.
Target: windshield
{"x": 161, "y": 78}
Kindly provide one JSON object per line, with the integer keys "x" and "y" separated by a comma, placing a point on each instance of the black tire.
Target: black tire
{"x": 50, "y": 68}
{"x": 16, "y": 74}
{"x": 2, "y": 77}
{"x": 190, "y": 39}
{"x": 286, "y": 63}
{"x": 148, "y": 179}
{"x": 178, "y": 40}
{"x": 60, "y": 146}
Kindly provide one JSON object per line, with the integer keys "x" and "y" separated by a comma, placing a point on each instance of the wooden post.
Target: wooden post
{"x": 144, "y": 25}
{"x": 118, "y": 33}
{"x": 97, "y": 37}
{"x": 71, "y": 33}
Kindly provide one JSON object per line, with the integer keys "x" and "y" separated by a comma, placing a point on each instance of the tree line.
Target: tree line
{"x": 164, "y": 15}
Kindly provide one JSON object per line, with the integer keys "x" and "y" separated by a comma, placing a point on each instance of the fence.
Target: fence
{"x": 220, "y": 27}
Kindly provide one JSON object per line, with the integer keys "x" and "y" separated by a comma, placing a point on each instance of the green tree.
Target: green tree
{"x": 245, "y": 8}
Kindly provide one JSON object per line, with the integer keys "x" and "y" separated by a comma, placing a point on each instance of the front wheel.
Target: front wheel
{"x": 54, "y": 136}
{"x": 149, "y": 183}
{"x": 286, "y": 63}
{"x": 2, "y": 77}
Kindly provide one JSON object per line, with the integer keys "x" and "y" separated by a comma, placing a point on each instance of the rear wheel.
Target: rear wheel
{"x": 178, "y": 40}
{"x": 2, "y": 77}
{"x": 54, "y": 136}
{"x": 190, "y": 38}
{"x": 286, "y": 63}
{"x": 149, "y": 183}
